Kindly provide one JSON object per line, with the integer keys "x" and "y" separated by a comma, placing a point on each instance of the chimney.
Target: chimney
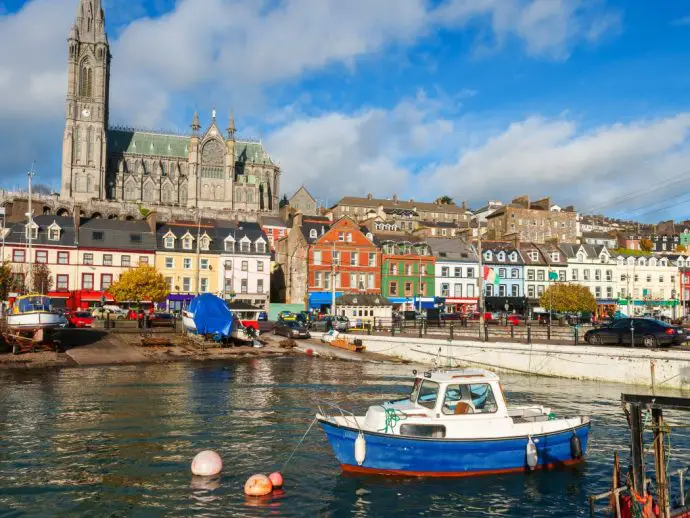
{"x": 297, "y": 220}
{"x": 77, "y": 221}
{"x": 151, "y": 220}
{"x": 395, "y": 199}
{"x": 370, "y": 196}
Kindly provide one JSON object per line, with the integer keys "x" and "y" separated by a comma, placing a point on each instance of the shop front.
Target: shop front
{"x": 461, "y": 304}
{"x": 655, "y": 308}
{"x": 606, "y": 308}
{"x": 176, "y": 302}
{"x": 321, "y": 301}
{"x": 519, "y": 305}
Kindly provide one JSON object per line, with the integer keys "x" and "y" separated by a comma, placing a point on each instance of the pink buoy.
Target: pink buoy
{"x": 309, "y": 352}
{"x": 207, "y": 464}
{"x": 258, "y": 485}
{"x": 276, "y": 479}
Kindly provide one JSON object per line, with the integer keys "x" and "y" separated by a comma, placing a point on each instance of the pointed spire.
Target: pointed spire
{"x": 231, "y": 126}
{"x": 74, "y": 33}
{"x": 196, "y": 125}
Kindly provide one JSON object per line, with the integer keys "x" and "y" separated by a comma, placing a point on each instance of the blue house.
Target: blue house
{"x": 507, "y": 262}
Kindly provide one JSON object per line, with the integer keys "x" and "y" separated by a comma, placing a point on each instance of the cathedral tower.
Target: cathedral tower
{"x": 86, "y": 120}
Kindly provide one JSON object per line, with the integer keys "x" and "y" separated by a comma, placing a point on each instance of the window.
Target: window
{"x": 317, "y": 279}
{"x": 97, "y": 235}
{"x": 394, "y": 269}
{"x": 203, "y": 264}
{"x": 62, "y": 282}
{"x": 609, "y": 275}
{"x": 609, "y": 292}
{"x": 341, "y": 236}
{"x": 203, "y": 285}
{"x": 54, "y": 234}
{"x": 259, "y": 266}
{"x": 515, "y": 290}
{"x": 336, "y": 257}
{"x": 530, "y": 291}
{"x": 457, "y": 290}
{"x": 574, "y": 274}
{"x": 245, "y": 266}
{"x": 445, "y": 271}
{"x": 637, "y": 277}
{"x": 561, "y": 275}
{"x": 170, "y": 262}
{"x": 169, "y": 242}
{"x": 261, "y": 247}
{"x": 88, "y": 259}
{"x": 87, "y": 281}
{"x": 489, "y": 288}
{"x": 187, "y": 243}
{"x": 372, "y": 259}
{"x": 469, "y": 399}
{"x": 135, "y": 239}
{"x": 470, "y": 272}
{"x": 445, "y": 290}
{"x": 585, "y": 274}
{"x": 540, "y": 275}
{"x": 597, "y": 292}
{"x": 313, "y": 234}
{"x": 408, "y": 269}
{"x": 41, "y": 256}
{"x": 408, "y": 288}
{"x": 169, "y": 282}
{"x": 393, "y": 289}
{"x": 229, "y": 246}
{"x": 502, "y": 290}
{"x": 107, "y": 259}
{"x": 427, "y": 394}
{"x": 348, "y": 237}
{"x": 32, "y": 232}
{"x": 244, "y": 286}
{"x": 514, "y": 273}
{"x": 353, "y": 259}
{"x": 63, "y": 257}
{"x": 187, "y": 284}
{"x": 187, "y": 263}
{"x": 502, "y": 273}
{"x": 143, "y": 259}
{"x": 260, "y": 286}
{"x": 106, "y": 281}
{"x": 649, "y": 278}
{"x": 540, "y": 290}
{"x": 317, "y": 256}
{"x": 597, "y": 275}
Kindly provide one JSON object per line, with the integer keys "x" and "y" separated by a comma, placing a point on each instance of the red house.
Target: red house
{"x": 345, "y": 260}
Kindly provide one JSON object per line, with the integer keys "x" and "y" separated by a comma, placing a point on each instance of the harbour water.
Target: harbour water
{"x": 118, "y": 441}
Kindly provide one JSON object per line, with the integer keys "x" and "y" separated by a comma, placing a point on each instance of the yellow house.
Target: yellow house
{"x": 188, "y": 256}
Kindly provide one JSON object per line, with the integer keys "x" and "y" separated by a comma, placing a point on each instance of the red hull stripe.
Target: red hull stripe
{"x": 402, "y": 473}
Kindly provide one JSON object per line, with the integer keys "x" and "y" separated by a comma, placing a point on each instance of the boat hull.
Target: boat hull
{"x": 35, "y": 321}
{"x": 188, "y": 322}
{"x": 421, "y": 457}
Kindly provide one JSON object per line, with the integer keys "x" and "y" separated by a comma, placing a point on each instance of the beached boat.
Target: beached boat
{"x": 34, "y": 313}
{"x": 209, "y": 316}
{"x": 188, "y": 321}
{"x": 455, "y": 423}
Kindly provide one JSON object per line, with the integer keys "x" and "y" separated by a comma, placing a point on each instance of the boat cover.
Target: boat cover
{"x": 211, "y": 315}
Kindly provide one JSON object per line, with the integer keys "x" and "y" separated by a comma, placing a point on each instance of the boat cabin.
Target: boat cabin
{"x": 31, "y": 303}
{"x": 246, "y": 314}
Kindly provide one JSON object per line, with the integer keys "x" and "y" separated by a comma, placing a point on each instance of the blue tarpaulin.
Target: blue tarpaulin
{"x": 211, "y": 315}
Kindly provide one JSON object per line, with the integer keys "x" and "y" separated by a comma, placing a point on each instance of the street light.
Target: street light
{"x": 506, "y": 306}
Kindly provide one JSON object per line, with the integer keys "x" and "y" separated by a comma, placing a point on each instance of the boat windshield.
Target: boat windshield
{"x": 37, "y": 303}
{"x": 428, "y": 394}
{"x": 469, "y": 399}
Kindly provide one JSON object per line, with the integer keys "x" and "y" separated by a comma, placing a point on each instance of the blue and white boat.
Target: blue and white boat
{"x": 455, "y": 423}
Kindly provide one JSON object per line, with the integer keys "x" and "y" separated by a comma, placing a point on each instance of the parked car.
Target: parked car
{"x": 646, "y": 331}
{"x": 80, "y": 319}
{"x": 105, "y": 313}
{"x": 516, "y": 320}
{"x": 287, "y": 315}
{"x": 161, "y": 319}
{"x": 450, "y": 316}
{"x": 339, "y": 323}
{"x": 291, "y": 329}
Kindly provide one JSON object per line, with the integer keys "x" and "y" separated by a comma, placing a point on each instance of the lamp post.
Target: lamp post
{"x": 506, "y": 306}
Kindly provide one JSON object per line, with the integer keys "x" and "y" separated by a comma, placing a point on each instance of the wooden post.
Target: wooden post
{"x": 637, "y": 448}
{"x": 660, "y": 463}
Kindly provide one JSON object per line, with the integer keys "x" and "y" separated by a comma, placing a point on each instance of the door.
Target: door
{"x": 642, "y": 327}
{"x": 617, "y": 332}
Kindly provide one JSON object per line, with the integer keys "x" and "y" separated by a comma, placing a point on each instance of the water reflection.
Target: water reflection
{"x": 119, "y": 441}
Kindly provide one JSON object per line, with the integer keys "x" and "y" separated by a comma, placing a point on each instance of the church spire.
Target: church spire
{"x": 231, "y": 126}
{"x": 196, "y": 124}
{"x": 90, "y": 21}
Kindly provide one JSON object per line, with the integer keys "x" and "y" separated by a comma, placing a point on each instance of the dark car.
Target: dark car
{"x": 291, "y": 329}
{"x": 646, "y": 331}
{"x": 162, "y": 320}
{"x": 450, "y": 316}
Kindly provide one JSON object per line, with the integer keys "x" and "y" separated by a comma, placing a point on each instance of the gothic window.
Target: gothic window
{"x": 85, "y": 79}
{"x": 166, "y": 193}
{"x": 148, "y": 192}
{"x": 183, "y": 194}
{"x": 212, "y": 160}
{"x": 89, "y": 145}
{"x": 205, "y": 192}
{"x": 238, "y": 197}
{"x": 163, "y": 171}
{"x": 250, "y": 197}
{"x": 77, "y": 144}
{"x": 89, "y": 183}
{"x": 141, "y": 169}
{"x": 130, "y": 191}
{"x": 218, "y": 193}
{"x": 80, "y": 183}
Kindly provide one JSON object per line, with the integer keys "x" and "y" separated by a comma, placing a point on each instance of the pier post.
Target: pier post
{"x": 512, "y": 332}
{"x": 486, "y": 332}
{"x": 660, "y": 463}
{"x": 529, "y": 333}
{"x": 421, "y": 330}
{"x": 637, "y": 448}
{"x": 451, "y": 331}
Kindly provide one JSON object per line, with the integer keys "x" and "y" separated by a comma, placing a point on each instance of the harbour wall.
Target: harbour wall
{"x": 669, "y": 368}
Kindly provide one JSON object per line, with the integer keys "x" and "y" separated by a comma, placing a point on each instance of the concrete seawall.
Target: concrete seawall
{"x": 653, "y": 368}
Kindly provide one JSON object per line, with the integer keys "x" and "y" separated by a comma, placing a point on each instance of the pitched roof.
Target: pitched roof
{"x": 362, "y": 299}
{"x": 273, "y": 221}
{"x": 17, "y": 232}
{"x": 115, "y": 234}
{"x": 451, "y": 249}
{"x": 320, "y": 227}
{"x": 218, "y": 235}
{"x": 302, "y": 189}
{"x": 501, "y": 246}
{"x": 401, "y": 204}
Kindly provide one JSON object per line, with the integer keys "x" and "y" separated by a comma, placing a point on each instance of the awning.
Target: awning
{"x": 607, "y": 302}
{"x": 94, "y": 296}
{"x": 664, "y": 303}
{"x": 462, "y": 300}
{"x": 322, "y": 298}
{"x": 179, "y": 297}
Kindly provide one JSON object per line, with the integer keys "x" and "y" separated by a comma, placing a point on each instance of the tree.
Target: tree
{"x": 8, "y": 282}
{"x": 445, "y": 200}
{"x": 41, "y": 280}
{"x": 41, "y": 188}
{"x": 139, "y": 284}
{"x": 284, "y": 201}
{"x": 568, "y": 298}
{"x": 681, "y": 249}
{"x": 646, "y": 244}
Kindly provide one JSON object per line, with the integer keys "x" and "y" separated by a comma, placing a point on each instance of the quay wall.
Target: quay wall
{"x": 668, "y": 368}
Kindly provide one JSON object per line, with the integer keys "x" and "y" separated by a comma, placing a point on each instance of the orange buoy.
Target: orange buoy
{"x": 276, "y": 479}
{"x": 309, "y": 352}
{"x": 258, "y": 485}
{"x": 207, "y": 464}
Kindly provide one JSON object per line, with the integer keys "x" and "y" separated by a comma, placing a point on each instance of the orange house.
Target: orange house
{"x": 344, "y": 259}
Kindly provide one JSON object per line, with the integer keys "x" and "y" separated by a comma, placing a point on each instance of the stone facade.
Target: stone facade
{"x": 304, "y": 202}
{"x": 210, "y": 169}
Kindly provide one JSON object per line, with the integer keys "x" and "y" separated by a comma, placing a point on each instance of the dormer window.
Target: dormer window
{"x": 31, "y": 231}
{"x": 169, "y": 241}
{"x": 581, "y": 258}
{"x": 534, "y": 256}
{"x": 229, "y": 244}
{"x": 513, "y": 257}
{"x": 555, "y": 257}
{"x": 187, "y": 242}
{"x": 245, "y": 245}
{"x": 54, "y": 232}
{"x": 260, "y": 247}
{"x": 313, "y": 234}
{"x": 501, "y": 256}
{"x": 487, "y": 256}
{"x": 205, "y": 243}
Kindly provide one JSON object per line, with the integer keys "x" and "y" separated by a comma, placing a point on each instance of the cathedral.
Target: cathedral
{"x": 117, "y": 170}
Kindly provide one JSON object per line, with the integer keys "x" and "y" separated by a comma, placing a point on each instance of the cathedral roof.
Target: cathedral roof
{"x": 134, "y": 142}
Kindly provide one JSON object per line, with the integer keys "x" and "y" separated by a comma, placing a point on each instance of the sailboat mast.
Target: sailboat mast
{"x": 30, "y": 214}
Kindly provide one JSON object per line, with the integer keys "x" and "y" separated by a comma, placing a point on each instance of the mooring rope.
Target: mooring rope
{"x": 299, "y": 444}
{"x": 393, "y": 416}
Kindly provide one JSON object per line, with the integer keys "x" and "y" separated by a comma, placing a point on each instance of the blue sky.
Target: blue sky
{"x": 584, "y": 100}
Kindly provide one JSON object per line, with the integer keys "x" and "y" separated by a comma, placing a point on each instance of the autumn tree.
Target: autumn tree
{"x": 143, "y": 283}
{"x": 8, "y": 282}
{"x": 41, "y": 280}
{"x": 568, "y": 298}
{"x": 646, "y": 244}
{"x": 681, "y": 249}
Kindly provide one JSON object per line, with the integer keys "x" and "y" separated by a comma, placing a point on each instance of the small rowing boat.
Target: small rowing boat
{"x": 455, "y": 423}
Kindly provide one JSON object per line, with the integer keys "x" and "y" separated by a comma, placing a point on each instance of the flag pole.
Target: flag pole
{"x": 480, "y": 280}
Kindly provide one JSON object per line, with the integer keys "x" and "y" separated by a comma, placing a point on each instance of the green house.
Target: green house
{"x": 408, "y": 271}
